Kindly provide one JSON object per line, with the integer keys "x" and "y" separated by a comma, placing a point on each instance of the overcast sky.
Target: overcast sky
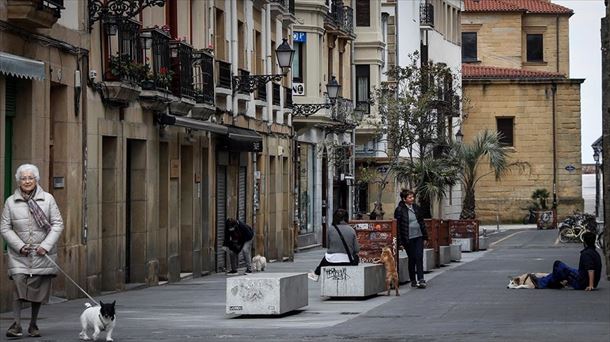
{"x": 585, "y": 62}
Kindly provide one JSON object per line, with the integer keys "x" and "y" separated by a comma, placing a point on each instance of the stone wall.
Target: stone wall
{"x": 531, "y": 106}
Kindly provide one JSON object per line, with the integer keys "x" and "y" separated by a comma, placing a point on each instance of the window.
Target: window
{"x": 505, "y": 128}
{"x": 534, "y": 48}
{"x": 362, "y": 87}
{"x": 363, "y": 13}
{"x": 469, "y": 46}
{"x": 297, "y": 62}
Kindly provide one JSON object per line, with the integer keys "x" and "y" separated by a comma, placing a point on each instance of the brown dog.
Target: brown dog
{"x": 391, "y": 274}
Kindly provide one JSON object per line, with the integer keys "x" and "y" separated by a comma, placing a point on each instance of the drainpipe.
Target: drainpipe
{"x": 557, "y": 40}
{"x": 234, "y": 52}
{"x": 554, "y": 104}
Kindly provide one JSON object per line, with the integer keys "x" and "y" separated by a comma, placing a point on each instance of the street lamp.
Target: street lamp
{"x": 248, "y": 83}
{"x": 596, "y": 158}
{"x": 307, "y": 109}
{"x": 459, "y": 136}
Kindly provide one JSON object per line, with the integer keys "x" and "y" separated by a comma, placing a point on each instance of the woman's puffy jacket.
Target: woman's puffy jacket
{"x": 19, "y": 228}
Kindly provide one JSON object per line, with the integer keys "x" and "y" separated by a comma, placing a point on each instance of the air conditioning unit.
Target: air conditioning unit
{"x": 298, "y": 89}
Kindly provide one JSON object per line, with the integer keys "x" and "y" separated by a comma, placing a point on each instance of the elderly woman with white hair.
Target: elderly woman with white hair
{"x": 31, "y": 225}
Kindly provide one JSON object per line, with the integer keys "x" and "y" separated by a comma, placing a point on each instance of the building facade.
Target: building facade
{"x": 516, "y": 80}
{"x": 151, "y": 125}
{"x": 323, "y": 123}
{"x": 430, "y": 28}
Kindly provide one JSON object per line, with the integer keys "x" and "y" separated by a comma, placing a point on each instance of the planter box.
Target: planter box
{"x": 266, "y": 293}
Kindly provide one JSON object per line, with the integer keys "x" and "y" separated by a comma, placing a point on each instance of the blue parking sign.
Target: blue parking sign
{"x": 299, "y": 37}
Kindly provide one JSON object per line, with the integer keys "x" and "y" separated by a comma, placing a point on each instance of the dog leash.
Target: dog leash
{"x": 69, "y": 278}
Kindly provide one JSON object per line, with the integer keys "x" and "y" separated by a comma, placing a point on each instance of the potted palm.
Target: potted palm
{"x": 545, "y": 217}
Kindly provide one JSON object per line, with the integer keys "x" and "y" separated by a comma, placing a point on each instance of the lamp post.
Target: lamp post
{"x": 248, "y": 83}
{"x": 596, "y": 158}
{"x": 307, "y": 109}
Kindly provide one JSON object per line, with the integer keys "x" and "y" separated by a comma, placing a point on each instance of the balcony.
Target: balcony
{"x": 240, "y": 90}
{"x": 276, "y": 94}
{"x": 181, "y": 61}
{"x": 123, "y": 66}
{"x": 34, "y": 13}
{"x": 203, "y": 77}
{"x": 158, "y": 76}
{"x": 261, "y": 92}
{"x": 426, "y": 15}
{"x": 340, "y": 20}
{"x": 288, "y": 97}
{"x": 224, "y": 75}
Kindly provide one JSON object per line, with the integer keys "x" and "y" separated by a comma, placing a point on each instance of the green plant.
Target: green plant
{"x": 164, "y": 77}
{"x": 468, "y": 157}
{"x": 124, "y": 68}
{"x": 540, "y": 197}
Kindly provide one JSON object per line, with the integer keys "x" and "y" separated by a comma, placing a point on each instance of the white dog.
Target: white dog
{"x": 259, "y": 263}
{"x": 100, "y": 317}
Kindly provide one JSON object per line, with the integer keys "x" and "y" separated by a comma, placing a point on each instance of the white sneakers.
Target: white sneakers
{"x": 313, "y": 276}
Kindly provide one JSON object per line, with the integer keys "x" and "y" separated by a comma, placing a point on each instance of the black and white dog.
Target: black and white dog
{"x": 100, "y": 317}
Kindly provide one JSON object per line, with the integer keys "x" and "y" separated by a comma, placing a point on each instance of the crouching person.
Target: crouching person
{"x": 586, "y": 277}
{"x": 238, "y": 239}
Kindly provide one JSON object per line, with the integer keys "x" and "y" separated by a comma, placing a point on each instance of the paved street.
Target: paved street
{"x": 467, "y": 301}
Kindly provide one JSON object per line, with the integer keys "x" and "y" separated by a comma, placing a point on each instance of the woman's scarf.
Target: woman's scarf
{"x": 37, "y": 213}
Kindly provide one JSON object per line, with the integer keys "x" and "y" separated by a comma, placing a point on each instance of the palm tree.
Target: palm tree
{"x": 429, "y": 177}
{"x": 468, "y": 157}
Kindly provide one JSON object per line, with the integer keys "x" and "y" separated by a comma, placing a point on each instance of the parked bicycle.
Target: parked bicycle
{"x": 573, "y": 226}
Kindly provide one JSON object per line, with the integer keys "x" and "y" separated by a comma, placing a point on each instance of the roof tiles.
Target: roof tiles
{"x": 470, "y": 71}
{"x": 528, "y": 6}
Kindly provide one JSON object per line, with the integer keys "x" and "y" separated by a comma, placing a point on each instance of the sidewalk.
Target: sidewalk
{"x": 203, "y": 300}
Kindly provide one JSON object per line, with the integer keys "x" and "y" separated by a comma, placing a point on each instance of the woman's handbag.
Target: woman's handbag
{"x": 354, "y": 259}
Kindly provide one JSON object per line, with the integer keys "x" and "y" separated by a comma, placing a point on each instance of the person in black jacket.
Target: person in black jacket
{"x": 238, "y": 239}
{"x": 412, "y": 235}
{"x": 586, "y": 277}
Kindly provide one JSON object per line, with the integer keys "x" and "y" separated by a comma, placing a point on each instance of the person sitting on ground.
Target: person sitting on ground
{"x": 336, "y": 254}
{"x": 238, "y": 239}
{"x": 586, "y": 277}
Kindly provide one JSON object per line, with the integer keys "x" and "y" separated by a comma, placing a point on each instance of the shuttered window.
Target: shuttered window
{"x": 363, "y": 13}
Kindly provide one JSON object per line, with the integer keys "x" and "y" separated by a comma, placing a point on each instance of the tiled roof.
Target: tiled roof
{"x": 528, "y": 6}
{"x": 470, "y": 71}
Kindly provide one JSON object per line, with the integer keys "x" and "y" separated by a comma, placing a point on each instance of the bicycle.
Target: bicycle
{"x": 571, "y": 233}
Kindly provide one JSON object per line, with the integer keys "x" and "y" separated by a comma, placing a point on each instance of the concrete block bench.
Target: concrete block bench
{"x": 456, "y": 252}
{"x": 444, "y": 255}
{"x": 352, "y": 281}
{"x": 483, "y": 242}
{"x": 467, "y": 244}
{"x": 403, "y": 267}
{"x": 429, "y": 260}
{"x": 266, "y": 293}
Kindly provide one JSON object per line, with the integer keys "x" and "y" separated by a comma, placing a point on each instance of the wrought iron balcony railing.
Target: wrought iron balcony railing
{"x": 224, "y": 74}
{"x": 426, "y": 14}
{"x": 203, "y": 77}
{"x": 243, "y": 72}
{"x": 123, "y": 50}
{"x": 157, "y": 58}
{"x": 276, "y": 94}
{"x": 55, "y": 5}
{"x": 261, "y": 91}
{"x": 182, "y": 66}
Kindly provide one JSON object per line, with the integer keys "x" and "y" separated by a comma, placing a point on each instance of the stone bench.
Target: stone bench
{"x": 266, "y": 293}
{"x": 456, "y": 252}
{"x": 352, "y": 281}
{"x": 467, "y": 244}
{"x": 444, "y": 255}
{"x": 429, "y": 259}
